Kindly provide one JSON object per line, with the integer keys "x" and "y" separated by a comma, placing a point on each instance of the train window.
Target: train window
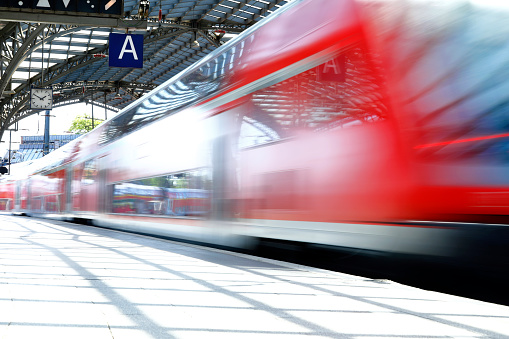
{"x": 345, "y": 91}
{"x": 200, "y": 83}
{"x": 89, "y": 172}
{"x": 177, "y": 194}
{"x": 36, "y": 204}
{"x": 4, "y": 204}
{"x": 52, "y": 203}
{"x": 453, "y": 83}
{"x": 194, "y": 87}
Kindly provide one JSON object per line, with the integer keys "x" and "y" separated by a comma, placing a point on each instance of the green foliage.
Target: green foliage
{"x": 83, "y": 124}
{"x": 154, "y": 182}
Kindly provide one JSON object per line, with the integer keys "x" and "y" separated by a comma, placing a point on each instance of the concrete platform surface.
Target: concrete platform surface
{"x": 61, "y": 280}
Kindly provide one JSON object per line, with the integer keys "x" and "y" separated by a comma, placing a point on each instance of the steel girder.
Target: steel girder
{"x": 14, "y": 107}
{"x": 17, "y": 42}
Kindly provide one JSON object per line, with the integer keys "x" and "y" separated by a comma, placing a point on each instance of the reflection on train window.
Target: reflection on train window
{"x": 89, "y": 172}
{"x": 177, "y": 194}
{"x": 51, "y": 203}
{"x": 5, "y": 205}
{"x": 343, "y": 92}
{"x": 36, "y": 204}
{"x": 197, "y": 85}
{"x": 458, "y": 106}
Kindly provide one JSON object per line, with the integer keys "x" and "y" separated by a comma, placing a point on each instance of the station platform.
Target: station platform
{"x": 63, "y": 280}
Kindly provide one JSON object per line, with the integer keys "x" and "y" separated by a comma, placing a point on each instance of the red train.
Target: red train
{"x": 380, "y": 125}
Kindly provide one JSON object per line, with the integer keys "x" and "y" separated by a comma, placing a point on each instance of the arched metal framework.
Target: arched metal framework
{"x": 73, "y": 59}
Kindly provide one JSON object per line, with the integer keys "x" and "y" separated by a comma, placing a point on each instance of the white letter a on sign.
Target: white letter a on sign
{"x": 331, "y": 65}
{"x": 129, "y": 40}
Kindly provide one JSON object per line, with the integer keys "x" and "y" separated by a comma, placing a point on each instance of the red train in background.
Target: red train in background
{"x": 376, "y": 125}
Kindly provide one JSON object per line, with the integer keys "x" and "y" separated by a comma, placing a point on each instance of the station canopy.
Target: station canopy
{"x": 72, "y": 58}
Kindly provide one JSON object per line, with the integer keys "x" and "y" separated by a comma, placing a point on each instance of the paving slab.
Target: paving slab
{"x": 63, "y": 280}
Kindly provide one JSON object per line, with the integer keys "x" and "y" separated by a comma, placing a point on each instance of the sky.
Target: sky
{"x": 60, "y": 122}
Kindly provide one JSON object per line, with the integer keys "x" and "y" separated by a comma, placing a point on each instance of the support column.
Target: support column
{"x": 105, "y": 113}
{"x": 92, "y": 102}
{"x": 10, "y": 151}
{"x": 45, "y": 149}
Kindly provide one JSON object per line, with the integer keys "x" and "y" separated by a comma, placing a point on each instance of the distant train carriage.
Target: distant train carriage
{"x": 187, "y": 202}
{"x": 137, "y": 199}
{"x": 6, "y": 194}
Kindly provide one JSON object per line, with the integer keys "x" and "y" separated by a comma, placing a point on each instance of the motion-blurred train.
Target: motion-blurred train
{"x": 367, "y": 124}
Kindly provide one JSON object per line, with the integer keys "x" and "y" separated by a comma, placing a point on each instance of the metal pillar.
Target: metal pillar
{"x": 92, "y": 102}
{"x": 105, "y": 113}
{"x": 45, "y": 147}
{"x": 10, "y": 156}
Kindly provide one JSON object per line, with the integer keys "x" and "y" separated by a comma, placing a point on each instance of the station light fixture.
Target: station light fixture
{"x": 219, "y": 33}
{"x": 144, "y": 9}
{"x": 196, "y": 43}
{"x": 160, "y": 11}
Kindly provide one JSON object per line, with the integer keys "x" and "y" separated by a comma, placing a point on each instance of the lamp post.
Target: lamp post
{"x": 45, "y": 146}
{"x": 105, "y": 113}
{"x": 10, "y": 137}
{"x": 46, "y": 142}
{"x": 92, "y": 102}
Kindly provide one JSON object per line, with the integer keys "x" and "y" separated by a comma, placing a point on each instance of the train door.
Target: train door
{"x": 68, "y": 189}
{"x": 218, "y": 178}
{"x": 224, "y": 177}
{"x": 103, "y": 190}
{"x": 25, "y": 195}
{"x": 88, "y": 186}
{"x": 29, "y": 194}
{"x": 17, "y": 196}
{"x": 76, "y": 174}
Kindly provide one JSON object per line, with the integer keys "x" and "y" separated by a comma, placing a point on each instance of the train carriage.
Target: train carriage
{"x": 362, "y": 124}
{"x": 6, "y": 194}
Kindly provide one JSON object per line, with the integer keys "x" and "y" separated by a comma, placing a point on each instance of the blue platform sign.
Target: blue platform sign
{"x": 126, "y": 50}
